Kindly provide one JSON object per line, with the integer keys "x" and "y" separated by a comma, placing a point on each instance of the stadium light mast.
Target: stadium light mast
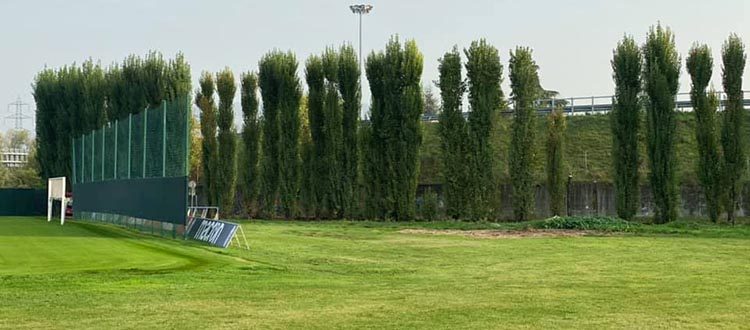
{"x": 360, "y": 10}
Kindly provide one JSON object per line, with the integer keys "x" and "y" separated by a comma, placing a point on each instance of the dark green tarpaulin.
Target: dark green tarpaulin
{"x": 156, "y": 199}
{"x": 23, "y": 202}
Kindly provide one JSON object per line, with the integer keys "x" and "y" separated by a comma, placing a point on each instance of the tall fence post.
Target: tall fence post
{"x": 145, "y": 127}
{"x": 104, "y": 134}
{"x": 130, "y": 138}
{"x": 164, "y": 139}
{"x": 188, "y": 129}
{"x": 83, "y": 159}
{"x": 114, "y": 172}
{"x": 73, "y": 180}
{"x": 93, "y": 153}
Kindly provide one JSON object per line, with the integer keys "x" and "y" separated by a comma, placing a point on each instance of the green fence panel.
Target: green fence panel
{"x": 155, "y": 142}
{"x": 177, "y": 125}
{"x": 136, "y": 145}
{"x": 88, "y": 157}
{"x": 122, "y": 148}
{"x": 133, "y": 171}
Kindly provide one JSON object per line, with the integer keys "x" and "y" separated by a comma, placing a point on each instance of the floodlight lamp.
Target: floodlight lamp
{"x": 360, "y": 9}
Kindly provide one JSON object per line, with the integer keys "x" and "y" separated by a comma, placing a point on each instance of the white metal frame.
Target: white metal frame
{"x": 236, "y": 238}
{"x": 56, "y": 191}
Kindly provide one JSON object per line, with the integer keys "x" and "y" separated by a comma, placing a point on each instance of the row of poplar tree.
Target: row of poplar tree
{"x": 311, "y": 156}
{"x": 77, "y": 99}
{"x": 470, "y": 191}
{"x": 647, "y": 77}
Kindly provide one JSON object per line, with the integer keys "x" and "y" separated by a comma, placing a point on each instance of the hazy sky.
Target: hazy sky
{"x": 572, "y": 40}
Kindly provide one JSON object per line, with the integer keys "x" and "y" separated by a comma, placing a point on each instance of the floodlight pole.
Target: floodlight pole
{"x": 360, "y": 10}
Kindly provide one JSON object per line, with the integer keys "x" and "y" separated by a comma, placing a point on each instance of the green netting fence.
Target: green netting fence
{"x": 151, "y": 144}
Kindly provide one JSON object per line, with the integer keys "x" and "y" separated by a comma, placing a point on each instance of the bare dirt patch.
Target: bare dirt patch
{"x": 502, "y": 234}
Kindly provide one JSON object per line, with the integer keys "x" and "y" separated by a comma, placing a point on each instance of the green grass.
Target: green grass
{"x": 370, "y": 275}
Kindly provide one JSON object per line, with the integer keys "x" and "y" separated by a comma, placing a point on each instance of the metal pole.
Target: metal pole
{"x": 164, "y": 139}
{"x": 114, "y": 172}
{"x": 145, "y": 127}
{"x": 130, "y": 137}
{"x": 104, "y": 129}
{"x": 74, "y": 161}
{"x": 83, "y": 158}
{"x": 93, "y": 150}
{"x": 360, "y": 44}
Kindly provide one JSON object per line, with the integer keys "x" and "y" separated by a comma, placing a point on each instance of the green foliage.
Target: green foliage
{"x": 249, "y": 172}
{"x": 196, "y": 150}
{"x": 204, "y": 99}
{"x": 308, "y": 204}
{"x": 26, "y": 176}
{"x": 75, "y": 100}
{"x": 700, "y": 67}
{"x": 732, "y": 137}
{"x": 396, "y": 134}
{"x": 453, "y": 136}
{"x": 325, "y": 115}
{"x": 484, "y": 75}
{"x": 281, "y": 93}
{"x": 178, "y": 81}
{"x": 555, "y": 162}
{"x": 226, "y": 168}
{"x": 315, "y": 77}
{"x": 46, "y": 95}
{"x": 607, "y": 224}
{"x": 429, "y": 208}
{"x": 524, "y": 83}
{"x": 349, "y": 88}
{"x": 625, "y": 126}
{"x": 661, "y": 74}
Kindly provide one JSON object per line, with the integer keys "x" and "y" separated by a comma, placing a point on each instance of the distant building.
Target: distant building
{"x": 17, "y": 157}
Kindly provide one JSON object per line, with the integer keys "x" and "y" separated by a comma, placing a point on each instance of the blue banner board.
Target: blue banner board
{"x": 215, "y": 232}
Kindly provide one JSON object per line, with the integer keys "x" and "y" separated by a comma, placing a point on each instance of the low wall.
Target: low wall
{"x": 23, "y": 202}
{"x": 589, "y": 198}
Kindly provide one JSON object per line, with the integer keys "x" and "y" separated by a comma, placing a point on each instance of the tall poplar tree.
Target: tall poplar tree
{"x": 700, "y": 67}
{"x": 732, "y": 136}
{"x": 250, "y": 138}
{"x": 269, "y": 82}
{"x": 349, "y": 89}
{"x": 281, "y": 93}
{"x": 661, "y": 74}
{"x": 204, "y": 99}
{"x": 625, "y": 125}
{"x": 226, "y": 169}
{"x": 316, "y": 86}
{"x": 484, "y": 75}
{"x": 396, "y": 133}
{"x": 524, "y": 83}
{"x": 453, "y": 136}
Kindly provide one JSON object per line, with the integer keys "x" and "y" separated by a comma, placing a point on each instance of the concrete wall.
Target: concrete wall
{"x": 589, "y": 198}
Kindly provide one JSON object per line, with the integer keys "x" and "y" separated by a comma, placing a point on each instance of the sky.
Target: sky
{"x": 572, "y": 40}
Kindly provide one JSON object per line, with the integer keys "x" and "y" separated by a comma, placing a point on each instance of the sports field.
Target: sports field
{"x": 372, "y": 275}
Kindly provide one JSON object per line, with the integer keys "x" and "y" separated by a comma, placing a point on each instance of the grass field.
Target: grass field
{"x": 372, "y": 275}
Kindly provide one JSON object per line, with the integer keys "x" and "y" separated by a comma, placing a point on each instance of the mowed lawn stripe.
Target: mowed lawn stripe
{"x": 34, "y": 246}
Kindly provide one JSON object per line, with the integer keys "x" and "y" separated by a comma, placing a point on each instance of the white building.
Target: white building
{"x": 14, "y": 157}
